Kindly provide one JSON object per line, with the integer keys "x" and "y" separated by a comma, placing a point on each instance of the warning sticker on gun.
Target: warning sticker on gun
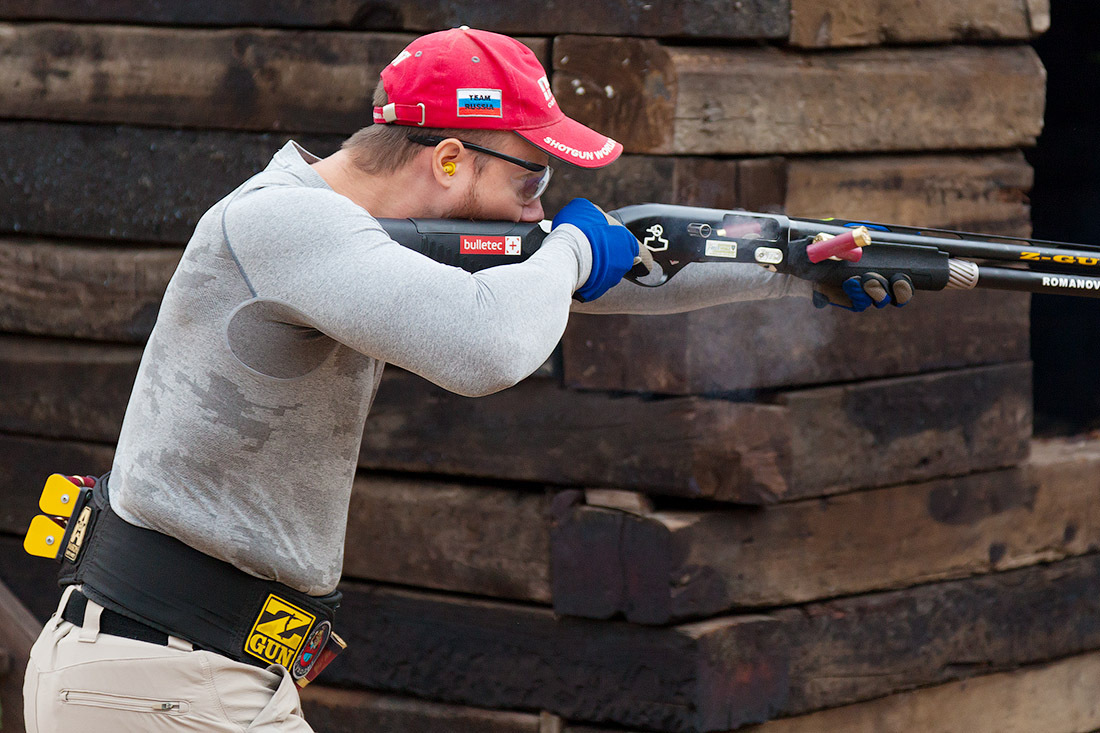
{"x": 720, "y": 248}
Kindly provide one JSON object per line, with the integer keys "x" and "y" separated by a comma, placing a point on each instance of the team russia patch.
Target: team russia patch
{"x": 490, "y": 245}
{"x": 480, "y": 103}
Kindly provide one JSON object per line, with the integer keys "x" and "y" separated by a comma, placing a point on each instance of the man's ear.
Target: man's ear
{"x": 448, "y": 159}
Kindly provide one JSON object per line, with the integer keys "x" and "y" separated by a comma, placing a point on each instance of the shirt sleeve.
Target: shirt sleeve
{"x": 473, "y": 334}
{"x": 698, "y": 285}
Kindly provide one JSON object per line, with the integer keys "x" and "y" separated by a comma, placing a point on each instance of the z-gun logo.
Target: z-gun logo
{"x": 279, "y": 632}
{"x": 1060, "y": 259}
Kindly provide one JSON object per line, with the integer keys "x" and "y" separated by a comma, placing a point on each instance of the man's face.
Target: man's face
{"x": 500, "y": 190}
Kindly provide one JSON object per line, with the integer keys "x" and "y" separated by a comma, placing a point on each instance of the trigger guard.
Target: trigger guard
{"x": 651, "y": 279}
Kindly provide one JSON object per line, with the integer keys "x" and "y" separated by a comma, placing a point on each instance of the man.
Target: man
{"x": 206, "y": 586}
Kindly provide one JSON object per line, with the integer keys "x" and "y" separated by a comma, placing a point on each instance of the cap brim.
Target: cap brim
{"x": 574, "y": 143}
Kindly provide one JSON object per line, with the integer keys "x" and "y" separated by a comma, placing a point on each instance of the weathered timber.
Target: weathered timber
{"x": 862, "y": 647}
{"x": 152, "y": 185}
{"x": 33, "y": 580}
{"x": 334, "y": 710}
{"x": 537, "y": 431}
{"x": 28, "y": 461}
{"x": 667, "y": 566}
{"x": 787, "y": 343}
{"x": 53, "y": 288}
{"x": 1058, "y": 697}
{"x": 979, "y": 193}
{"x": 1067, "y": 462}
{"x": 709, "y": 676}
{"x": 141, "y": 184}
{"x": 1053, "y": 698}
{"x": 805, "y": 443}
{"x": 666, "y": 99}
{"x": 630, "y": 502}
{"x": 433, "y": 534}
{"x": 729, "y": 19}
{"x": 65, "y": 389}
{"x": 18, "y": 630}
{"x": 841, "y": 652}
{"x": 755, "y": 184}
{"x": 664, "y": 566}
{"x": 829, "y": 23}
{"x": 252, "y": 79}
{"x": 810, "y": 443}
{"x": 860, "y": 434}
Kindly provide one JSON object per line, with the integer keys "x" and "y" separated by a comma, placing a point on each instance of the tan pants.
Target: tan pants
{"x": 80, "y": 680}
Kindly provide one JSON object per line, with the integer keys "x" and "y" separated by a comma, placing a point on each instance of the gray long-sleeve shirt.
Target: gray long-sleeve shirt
{"x": 244, "y": 424}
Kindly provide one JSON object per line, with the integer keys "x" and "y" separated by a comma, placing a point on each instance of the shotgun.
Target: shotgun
{"x": 827, "y": 251}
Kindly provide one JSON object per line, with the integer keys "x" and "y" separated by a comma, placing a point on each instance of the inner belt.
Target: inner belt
{"x": 114, "y": 624}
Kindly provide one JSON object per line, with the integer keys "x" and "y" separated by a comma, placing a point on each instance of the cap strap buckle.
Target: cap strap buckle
{"x": 400, "y": 113}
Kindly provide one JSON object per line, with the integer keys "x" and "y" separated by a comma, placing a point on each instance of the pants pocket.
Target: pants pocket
{"x": 130, "y": 703}
{"x": 283, "y": 713}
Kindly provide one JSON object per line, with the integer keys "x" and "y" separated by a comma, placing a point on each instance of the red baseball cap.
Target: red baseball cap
{"x": 479, "y": 80}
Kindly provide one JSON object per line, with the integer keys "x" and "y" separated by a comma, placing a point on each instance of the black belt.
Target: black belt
{"x": 152, "y": 586}
{"x": 111, "y": 622}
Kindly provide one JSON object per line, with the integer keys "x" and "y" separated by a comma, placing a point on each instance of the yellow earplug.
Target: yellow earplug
{"x": 449, "y": 168}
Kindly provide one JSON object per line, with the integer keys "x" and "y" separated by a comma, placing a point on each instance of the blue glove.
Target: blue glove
{"x": 613, "y": 247}
{"x": 857, "y": 293}
{"x": 860, "y": 293}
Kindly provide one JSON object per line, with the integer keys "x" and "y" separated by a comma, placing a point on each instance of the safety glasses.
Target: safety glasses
{"x": 532, "y": 187}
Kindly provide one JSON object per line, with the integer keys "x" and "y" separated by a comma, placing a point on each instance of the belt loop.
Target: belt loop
{"x": 174, "y": 642}
{"x": 89, "y": 628}
{"x": 56, "y": 619}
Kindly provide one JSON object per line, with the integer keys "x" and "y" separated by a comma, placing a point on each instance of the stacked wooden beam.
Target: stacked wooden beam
{"x": 698, "y": 522}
